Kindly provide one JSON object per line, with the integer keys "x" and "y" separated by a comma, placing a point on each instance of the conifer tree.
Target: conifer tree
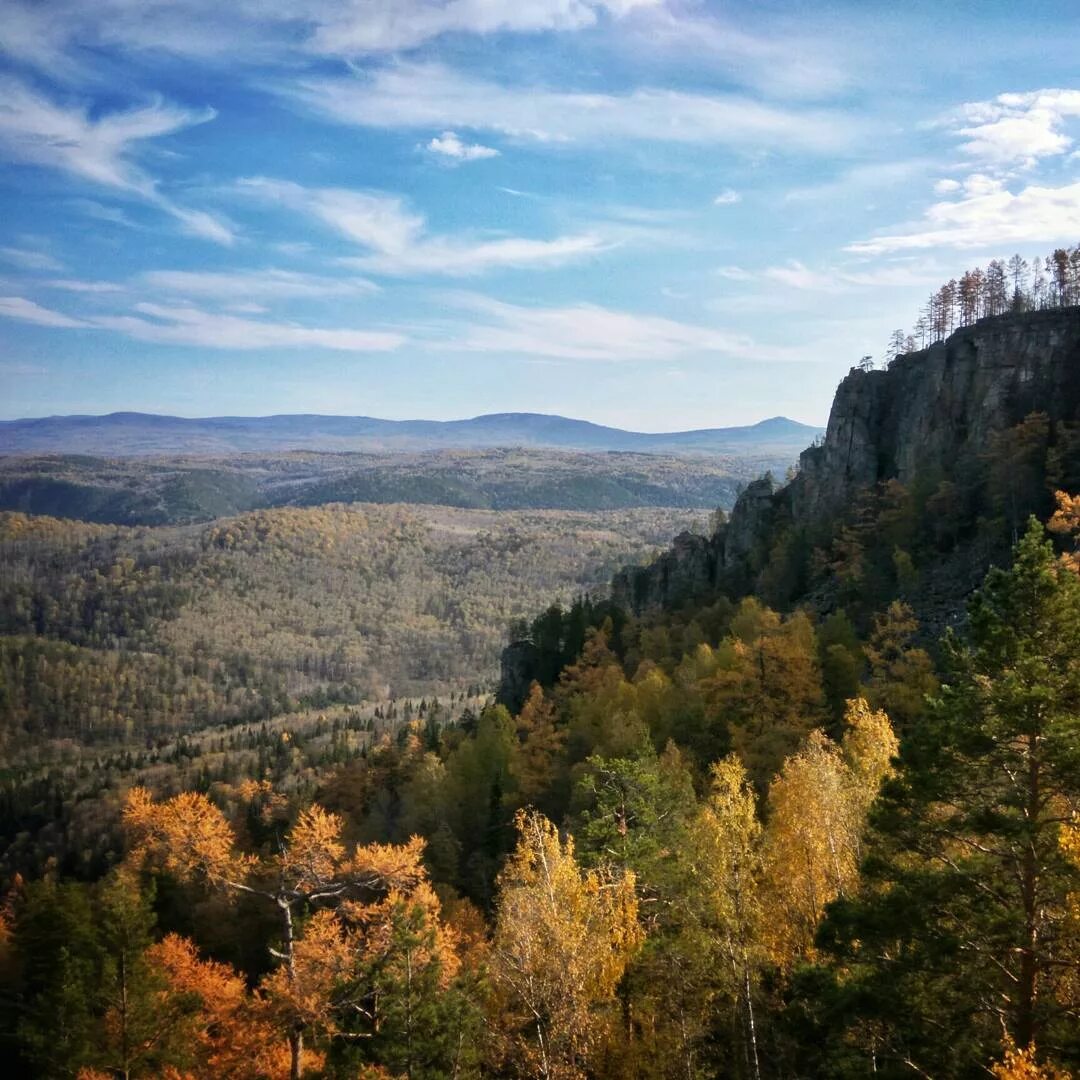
{"x": 963, "y": 928}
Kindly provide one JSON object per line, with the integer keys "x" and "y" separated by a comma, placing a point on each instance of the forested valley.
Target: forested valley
{"x": 272, "y": 644}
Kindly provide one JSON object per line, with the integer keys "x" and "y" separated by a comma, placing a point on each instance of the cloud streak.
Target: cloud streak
{"x": 414, "y": 96}
{"x": 28, "y": 259}
{"x": 162, "y": 324}
{"x": 377, "y": 26}
{"x": 592, "y": 332}
{"x": 23, "y": 310}
{"x": 264, "y": 284}
{"x": 397, "y": 237}
{"x": 36, "y": 131}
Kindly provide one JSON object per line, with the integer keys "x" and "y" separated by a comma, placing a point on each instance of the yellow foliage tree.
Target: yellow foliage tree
{"x": 562, "y": 941}
{"x": 817, "y": 810}
{"x": 726, "y": 863}
{"x": 1021, "y": 1065}
{"x": 1066, "y": 523}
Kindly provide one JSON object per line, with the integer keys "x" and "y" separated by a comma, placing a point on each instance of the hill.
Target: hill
{"x": 136, "y": 434}
{"x": 181, "y": 490}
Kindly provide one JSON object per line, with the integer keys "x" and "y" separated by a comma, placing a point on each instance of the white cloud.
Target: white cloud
{"x": 30, "y": 260}
{"x": 1016, "y": 130}
{"x": 372, "y": 26}
{"x": 987, "y": 215}
{"x": 374, "y": 219}
{"x": 590, "y": 332}
{"x": 23, "y": 310}
{"x": 733, "y": 273}
{"x": 461, "y": 258}
{"x": 76, "y": 286}
{"x": 841, "y": 279}
{"x": 947, "y": 186}
{"x": 397, "y": 239}
{"x": 434, "y": 96}
{"x": 55, "y": 36}
{"x": 791, "y": 57}
{"x": 450, "y": 146}
{"x": 265, "y": 284}
{"x": 727, "y": 197}
{"x": 795, "y": 275}
{"x": 186, "y": 325}
{"x": 37, "y": 131}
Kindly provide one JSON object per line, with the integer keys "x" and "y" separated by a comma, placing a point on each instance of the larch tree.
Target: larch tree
{"x": 190, "y": 838}
{"x": 537, "y": 760}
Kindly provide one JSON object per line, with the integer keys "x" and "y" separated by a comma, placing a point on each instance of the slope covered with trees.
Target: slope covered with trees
{"x": 163, "y": 655}
{"x": 185, "y": 490}
{"x": 706, "y": 850}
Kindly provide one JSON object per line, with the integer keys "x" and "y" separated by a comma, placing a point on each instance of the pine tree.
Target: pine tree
{"x": 963, "y": 931}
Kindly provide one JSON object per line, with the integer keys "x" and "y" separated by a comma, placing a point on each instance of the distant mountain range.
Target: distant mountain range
{"x": 140, "y": 434}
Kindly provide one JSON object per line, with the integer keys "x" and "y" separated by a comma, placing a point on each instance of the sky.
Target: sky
{"x": 656, "y": 214}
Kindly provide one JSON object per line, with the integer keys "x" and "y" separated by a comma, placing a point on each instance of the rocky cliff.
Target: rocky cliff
{"x": 926, "y": 411}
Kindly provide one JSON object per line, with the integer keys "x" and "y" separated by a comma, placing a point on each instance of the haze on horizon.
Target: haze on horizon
{"x": 658, "y": 215}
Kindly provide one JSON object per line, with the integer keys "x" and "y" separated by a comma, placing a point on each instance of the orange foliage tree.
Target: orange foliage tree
{"x": 349, "y": 894}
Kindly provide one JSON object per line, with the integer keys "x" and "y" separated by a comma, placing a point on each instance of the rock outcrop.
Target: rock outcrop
{"x": 927, "y": 410}
{"x": 934, "y": 406}
{"x": 687, "y": 570}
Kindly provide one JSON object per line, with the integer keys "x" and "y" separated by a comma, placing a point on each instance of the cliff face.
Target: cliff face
{"x": 688, "y": 569}
{"x": 927, "y": 410}
{"x": 931, "y": 407}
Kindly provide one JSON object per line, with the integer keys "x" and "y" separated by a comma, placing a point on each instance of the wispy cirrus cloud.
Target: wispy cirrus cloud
{"x": 592, "y": 332}
{"x": 397, "y": 237}
{"x": 162, "y": 324}
{"x": 35, "y": 130}
{"x": 23, "y": 310}
{"x": 77, "y": 286}
{"x": 30, "y": 259}
{"x": 375, "y": 26}
{"x": 264, "y": 284}
{"x": 428, "y": 95}
{"x": 788, "y": 58}
{"x": 256, "y": 31}
{"x": 840, "y": 279}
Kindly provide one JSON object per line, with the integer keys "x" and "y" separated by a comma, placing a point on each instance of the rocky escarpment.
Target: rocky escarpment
{"x": 926, "y": 411}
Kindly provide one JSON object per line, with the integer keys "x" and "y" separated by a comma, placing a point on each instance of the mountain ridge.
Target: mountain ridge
{"x": 130, "y": 433}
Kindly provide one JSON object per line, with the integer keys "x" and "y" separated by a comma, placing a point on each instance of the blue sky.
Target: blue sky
{"x": 651, "y": 213}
